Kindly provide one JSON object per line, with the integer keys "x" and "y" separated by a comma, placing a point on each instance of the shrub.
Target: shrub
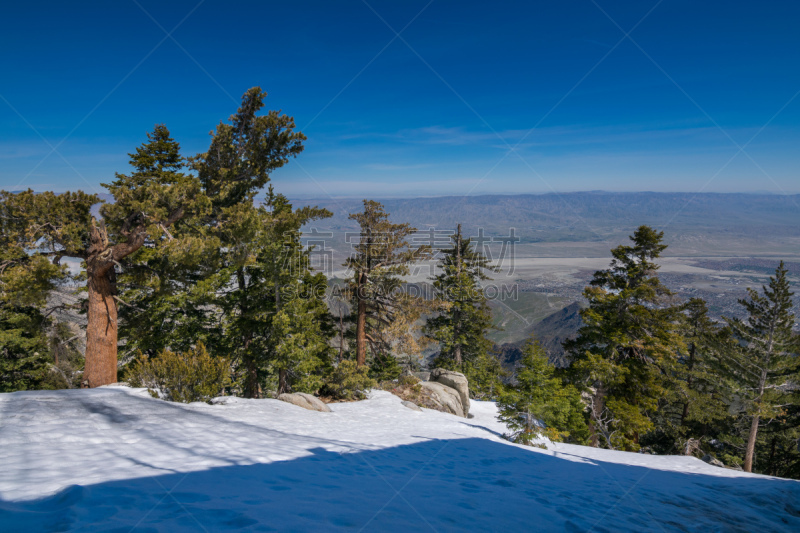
{"x": 187, "y": 377}
{"x": 348, "y": 381}
{"x": 384, "y": 367}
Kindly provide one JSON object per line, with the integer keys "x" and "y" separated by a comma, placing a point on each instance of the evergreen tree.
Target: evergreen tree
{"x": 766, "y": 367}
{"x": 694, "y": 410}
{"x": 214, "y": 293}
{"x": 23, "y": 348}
{"x": 540, "y": 405}
{"x": 298, "y": 348}
{"x": 383, "y": 366}
{"x": 153, "y": 283}
{"x": 275, "y": 313}
{"x": 461, "y": 329}
{"x": 627, "y": 346}
{"x": 146, "y": 204}
{"x": 486, "y": 376}
{"x": 25, "y": 282}
{"x": 381, "y": 255}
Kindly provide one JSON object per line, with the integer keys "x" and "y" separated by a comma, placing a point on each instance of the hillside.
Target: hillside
{"x": 551, "y": 333}
{"x": 115, "y": 458}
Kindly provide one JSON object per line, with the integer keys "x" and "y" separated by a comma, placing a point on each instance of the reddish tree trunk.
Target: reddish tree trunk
{"x": 341, "y": 334}
{"x": 101, "y": 331}
{"x": 361, "y": 322}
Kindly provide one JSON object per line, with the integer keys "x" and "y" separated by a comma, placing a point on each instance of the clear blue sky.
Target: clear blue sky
{"x": 473, "y": 97}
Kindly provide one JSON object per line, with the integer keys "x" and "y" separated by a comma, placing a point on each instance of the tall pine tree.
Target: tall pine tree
{"x": 461, "y": 329}
{"x": 628, "y": 343}
{"x": 767, "y": 365}
{"x": 381, "y": 255}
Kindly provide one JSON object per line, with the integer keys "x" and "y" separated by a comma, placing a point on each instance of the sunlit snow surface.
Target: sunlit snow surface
{"x": 115, "y": 459}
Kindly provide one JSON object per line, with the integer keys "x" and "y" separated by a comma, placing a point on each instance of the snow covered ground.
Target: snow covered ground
{"x": 114, "y": 459}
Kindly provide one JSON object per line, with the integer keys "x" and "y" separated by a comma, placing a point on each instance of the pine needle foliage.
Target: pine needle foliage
{"x": 766, "y": 367}
{"x": 540, "y": 405}
{"x": 627, "y": 346}
{"x": 380, "y": 256}
{"x": 461, "y": 329}
{"x": 348, "y": 381}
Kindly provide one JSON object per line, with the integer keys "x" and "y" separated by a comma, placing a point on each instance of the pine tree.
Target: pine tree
{"x": 628, "y": 343}
{"x": 153, "y": 283}
{"x": 299, "y": 353}
{"x": 146, "y": 204}
{"x": 461, "y": 329}
{"x": 31, "y": 341}
{"x": 275, "y": 313}
{"x": 381, "y": 255}
{"x": 202, "y": 285}
{"x": 767, "y": 364}
{"x": 486, "y": 376}
{"x": 540, "y": 405}
{"x": 694, "y": 410}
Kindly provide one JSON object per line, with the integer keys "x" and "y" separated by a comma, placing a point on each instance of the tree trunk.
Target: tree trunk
{"x": 361, "y": 321}
{"x": 101, "y": 330}
{"x": 251, "y": 387}
{"x": 101, "y": 287}
{"x": 692, "y": 352}
{"x": 283, "y": 381}
{"x": 596, "y": 415}
{"x": 456, "y": 315}
{"x": 772, "y": 469}
{"x": 341, "y": 333}
{"x": 751, "y": 445}
{"x": 751, "y": 438}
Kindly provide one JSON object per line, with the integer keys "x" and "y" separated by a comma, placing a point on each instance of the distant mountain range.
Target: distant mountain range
{"x": 583, "y": 216}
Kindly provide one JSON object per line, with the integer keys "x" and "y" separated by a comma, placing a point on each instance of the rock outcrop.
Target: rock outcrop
{"x": 447, "y": 399}
{"x": 411, "y": 405}
{"x": 454, "y": 380}
{"x": 306, "y": 401}
{"x": 713, "y": 461}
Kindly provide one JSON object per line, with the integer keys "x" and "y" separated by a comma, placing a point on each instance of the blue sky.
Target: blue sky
{"x": 471, "y": 97}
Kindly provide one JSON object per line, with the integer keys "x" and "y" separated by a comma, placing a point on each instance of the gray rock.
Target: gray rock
{"x": 454, "y": 380}
{"x": 306, "y": 401}
{"x": 713, "y": 461}
{"x": 411, "y": 405}
{"x": 424, "y": 376}
{"x": 447, "y": 398}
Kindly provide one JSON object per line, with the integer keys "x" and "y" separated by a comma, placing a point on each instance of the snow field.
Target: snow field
{"x": 116, "y": 459}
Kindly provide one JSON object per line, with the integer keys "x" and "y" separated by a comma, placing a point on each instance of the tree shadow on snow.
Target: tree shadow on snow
{"x": 439, "y": 485}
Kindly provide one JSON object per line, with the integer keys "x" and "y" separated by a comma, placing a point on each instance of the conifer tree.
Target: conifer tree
{"x": 628, "y": 343}
{"x": 278, "y": 316}
{"x": 766, "y": 367}
{"x": 694, "y": 409}
{"x": 486, "y": 376}
{"x": 381, "y": 255}
{"x": 189, "y": 291}
{"x": 298, "y": 351}
{"x": 146, "y": 204}
{"x": 461, "y": 329}
{"x": 540, "y": 405}
{"x": 23, "y": 345}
